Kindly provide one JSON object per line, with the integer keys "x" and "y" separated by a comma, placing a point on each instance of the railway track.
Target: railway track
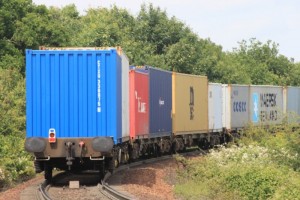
{"x": 42, "y": 193}
{"x": 107, "y": 191}
{"x": 114, "y": 194}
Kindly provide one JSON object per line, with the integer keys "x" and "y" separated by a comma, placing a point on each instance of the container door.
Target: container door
{"x": 160, "y": 102}
{"x": 139, "y": 104}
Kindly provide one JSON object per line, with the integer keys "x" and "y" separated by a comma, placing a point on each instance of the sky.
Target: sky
{"x": 225, "y": 22}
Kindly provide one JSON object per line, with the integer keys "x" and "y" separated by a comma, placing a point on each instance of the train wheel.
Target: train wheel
{"x": 38, "y": 165}
{"x": 48, "y": 171}
{"x": 112, "y": 164}
{"x": 102, "y": 170}
{"x": 229, "y": 138}
{"x": 157, "y": 150}
{"x": 169, "y": 147}
{"x": 204, "y": 144}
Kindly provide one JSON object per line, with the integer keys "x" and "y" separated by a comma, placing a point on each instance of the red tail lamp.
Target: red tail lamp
{"x": 52, "y": 135}
{"x": 81, "y": 144}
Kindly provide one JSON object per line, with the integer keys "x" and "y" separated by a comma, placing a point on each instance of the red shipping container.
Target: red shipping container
{"x": 139, "y": 104}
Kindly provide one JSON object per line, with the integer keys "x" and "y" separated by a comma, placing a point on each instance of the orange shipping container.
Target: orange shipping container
{"x": 190, "y": 104}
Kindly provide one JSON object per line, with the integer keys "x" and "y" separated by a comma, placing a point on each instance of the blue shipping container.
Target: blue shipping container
{"x": 160, "y": 83}
{"x": 75, "y": 92}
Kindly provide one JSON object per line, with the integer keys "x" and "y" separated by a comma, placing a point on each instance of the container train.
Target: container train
{"x": 87, "y": 109}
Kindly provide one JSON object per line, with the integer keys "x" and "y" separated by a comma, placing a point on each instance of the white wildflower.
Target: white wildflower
{"x": 2, "y": 175}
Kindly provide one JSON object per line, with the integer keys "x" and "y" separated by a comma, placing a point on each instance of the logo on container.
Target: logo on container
{"x": 239, "y": 106}
{"x": 141, "y": 104}
{"x": 255, "y": 115}
{"x": 191, "y": 103}
{"x": 161, "y": 102}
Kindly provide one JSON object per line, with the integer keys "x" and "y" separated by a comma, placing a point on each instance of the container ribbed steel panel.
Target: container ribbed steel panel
{"x": 293, "y": 103}
{"x": 226, "y": 106}
{"x": 239, "y": 106}
{"x": 215, "y": 107}
{"x": 139, "y": 104}
{"x": 189, "y": 104}
{"x": 266, "y": 104}
{"x": 76, "y": 92}
{"x": 125, "y": 96}
{"x": 160, "y": 91}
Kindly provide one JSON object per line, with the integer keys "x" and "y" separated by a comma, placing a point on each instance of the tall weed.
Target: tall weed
{"x": 282, "y": 141}
{"x": 239, "y": 172}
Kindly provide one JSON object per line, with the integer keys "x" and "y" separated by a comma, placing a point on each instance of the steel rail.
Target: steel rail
{"x": 42, "y": 192}
{"x": 113, "y": 194}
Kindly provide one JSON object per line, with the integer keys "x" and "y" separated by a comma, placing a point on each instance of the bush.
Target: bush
{"x": 12, "y": 102}
{"x": 282, "y": 141}
{"x": 16, "y": 164}
{"x": 239, "y": 172}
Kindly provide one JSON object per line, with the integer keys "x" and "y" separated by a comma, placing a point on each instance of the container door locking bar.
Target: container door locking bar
{"x": 69, "y": 157}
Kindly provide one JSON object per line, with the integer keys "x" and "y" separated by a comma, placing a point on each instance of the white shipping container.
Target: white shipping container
{"x": 226, "y": 119}
{"x": 215, "y": 107}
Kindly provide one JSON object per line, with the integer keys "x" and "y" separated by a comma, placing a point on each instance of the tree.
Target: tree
{"x": 182, "y": 56}
{"x": 10, "y": 12}
{"x": 53, "y": 27}
{"x": 154, "y": 26}
{"x": 103, "y": 27}
{"x": 12, "y": 102}
{"x": 256, "y": 63}
{"x": 294, "y": 75}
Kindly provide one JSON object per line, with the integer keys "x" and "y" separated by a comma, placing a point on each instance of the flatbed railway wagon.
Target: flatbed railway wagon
{"x": 77, "y": 108}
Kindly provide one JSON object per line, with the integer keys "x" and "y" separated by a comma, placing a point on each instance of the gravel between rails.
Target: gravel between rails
{"x": 151, "y": 181}
{"x": 89, "y": 187}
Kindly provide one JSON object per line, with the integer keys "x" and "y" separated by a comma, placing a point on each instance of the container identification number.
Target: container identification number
{"x": 98, "y": 86}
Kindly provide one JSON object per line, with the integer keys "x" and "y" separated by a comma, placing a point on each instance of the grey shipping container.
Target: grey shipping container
{"x": 239, "y": 96}
{"x": 235, "y": 106}
{"x": 266, "y": 104}
{"x": 293, "y": 103}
